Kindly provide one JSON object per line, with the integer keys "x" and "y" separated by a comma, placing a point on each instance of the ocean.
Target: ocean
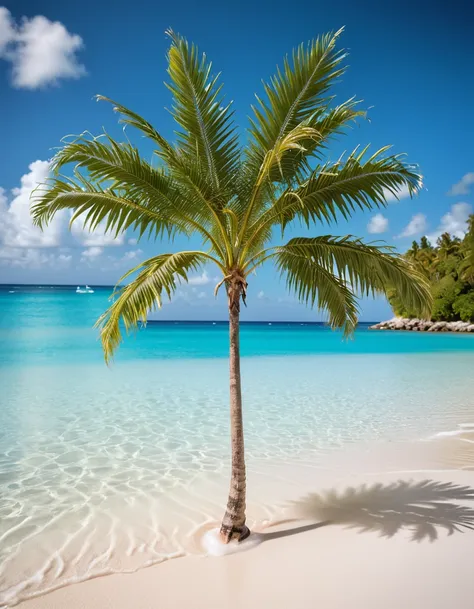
{"x": 106, "y": 469}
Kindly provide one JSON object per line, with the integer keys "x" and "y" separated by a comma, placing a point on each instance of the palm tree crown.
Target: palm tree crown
{"x": 235, "y": 197}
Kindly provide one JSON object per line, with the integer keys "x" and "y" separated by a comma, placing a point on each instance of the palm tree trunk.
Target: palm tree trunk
{"x": 233, "y": 524}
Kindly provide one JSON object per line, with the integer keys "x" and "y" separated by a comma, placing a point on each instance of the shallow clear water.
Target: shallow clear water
{"x": 105, "y": 470}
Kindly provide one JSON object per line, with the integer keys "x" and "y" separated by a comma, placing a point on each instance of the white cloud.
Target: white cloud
{"x": 131, "y": 255}
{"x": 92, "y": 252}
{"x": 378, "y": 224}
{"x": 112, "y": 263}
{"x": 7, "y": 33}
{"x": 403, "y": 193}
{"x": 202, "y": 295}
{"x": 262, "y": 296}
{"x": 454, "y": 222}
{"x": 98, "y": 238}
{"x": 16, "y": 228}
{"x": 132, "y": 241}
{"x": 463, "y": 186}
{"x": 31, "y": 258}
{"x": 24, "y": 245}
{"x": 41, "y": 51}
{"x": 416, "y": 226}
{"x": 202, "y": 279}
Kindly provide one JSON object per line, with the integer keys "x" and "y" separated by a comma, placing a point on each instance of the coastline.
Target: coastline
{"x": 372, "y": 534}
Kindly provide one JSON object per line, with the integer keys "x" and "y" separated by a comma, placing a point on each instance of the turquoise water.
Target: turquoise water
{"x": 112, "y": 469}
{"x": 41, "y": 326}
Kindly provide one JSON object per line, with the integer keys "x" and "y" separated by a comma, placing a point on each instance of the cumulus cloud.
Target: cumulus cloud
{"x": 202, "y": 279}
{"x": 463, "y": 187}
{"x": 416, "y": 226}
{"x": 92, "y": 252}
{"x": 97, "y": 238}
{"x": 22, "y": 244}
{"x": 16, "y": 228}
{"x": 31, "y": 258}
{"x": 7, "y": 32}
{"x": 132, "y": 254}
{"x": 378, "y": 224}
{"x": 132, "y": 241}
{"x": 42, "y": 52}
{"x": 110, "y": 262}
{"x": 454, "y": 222}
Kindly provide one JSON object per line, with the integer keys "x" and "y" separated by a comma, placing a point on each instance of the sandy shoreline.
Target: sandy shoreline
{"x": 372, "y": 537}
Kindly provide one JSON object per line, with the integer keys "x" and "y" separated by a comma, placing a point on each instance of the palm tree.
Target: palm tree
{"x": 412, "y": 253}
{"x": 234, "y": 198}
{"x": 467, "y": 248}
{"x": 447, "y": 245}
{"x": 424, "y": 258}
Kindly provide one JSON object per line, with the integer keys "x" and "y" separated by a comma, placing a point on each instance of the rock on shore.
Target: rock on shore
{"x": 423, "y": 325}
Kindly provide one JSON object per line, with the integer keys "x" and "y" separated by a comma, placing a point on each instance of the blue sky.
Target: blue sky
{"x": 411, "y": 63}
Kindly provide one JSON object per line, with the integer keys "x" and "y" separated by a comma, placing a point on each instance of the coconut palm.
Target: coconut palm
{"x": 467, "y": 249}
{"x": 447, "y": 245}
{"x": 235, "y": 198}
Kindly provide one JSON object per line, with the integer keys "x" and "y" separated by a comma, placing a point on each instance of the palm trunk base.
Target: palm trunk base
{"x": 230, "y": 532}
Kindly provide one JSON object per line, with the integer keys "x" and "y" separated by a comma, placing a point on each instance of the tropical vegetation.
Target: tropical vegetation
{"x": 240, "y": 200}
{"x": 449, "y": 267}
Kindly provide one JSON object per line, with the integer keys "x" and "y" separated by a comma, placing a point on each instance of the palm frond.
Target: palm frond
{"x": 120, "y": 166}
{"x": 165, "y": 149}
{"x": 208, "y": 132}
{"x": 367, "y": 269}
{"x": 294, "y": 101}
{"x": 95, "y": 205}
{"x": 294, "y": 94}
{"x": 156, "y": 277}
{"x": 340, "y": 188}
{"x": 315, "y": 285}
{"x": 185, "y": 168}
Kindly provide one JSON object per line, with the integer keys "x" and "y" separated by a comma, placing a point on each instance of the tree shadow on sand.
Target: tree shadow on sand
{"x": 421, "y": 507}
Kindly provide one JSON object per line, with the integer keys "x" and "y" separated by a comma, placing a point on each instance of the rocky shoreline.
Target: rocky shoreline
{"x": 423, "y": 325}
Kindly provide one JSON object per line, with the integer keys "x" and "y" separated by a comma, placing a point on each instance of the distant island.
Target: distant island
{"x": 449, "y": 267}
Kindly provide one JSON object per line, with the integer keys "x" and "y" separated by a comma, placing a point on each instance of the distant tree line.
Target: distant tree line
{"x": 449, "y": 266}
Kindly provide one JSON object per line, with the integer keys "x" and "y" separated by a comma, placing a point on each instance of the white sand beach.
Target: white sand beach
{"x": 370, "y": 537}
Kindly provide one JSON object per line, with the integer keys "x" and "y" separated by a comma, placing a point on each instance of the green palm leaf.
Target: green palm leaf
{"x": 95, "y": 205}
{"x": 315, "y": 285}
{"x": 208, "y": 132}
{"x": 132, "y": 303}
{"x": 367, "y": 268}
{"x": 295, "y": 93}
{"x": 165, "y": 149}
{"x": 338, "y": 189}
{"x": 363, "y": 268}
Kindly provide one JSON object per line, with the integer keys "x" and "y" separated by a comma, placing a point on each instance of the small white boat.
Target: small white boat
{"x": 86, "y": 290}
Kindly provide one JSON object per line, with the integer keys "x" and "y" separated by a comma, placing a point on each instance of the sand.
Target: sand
{"x": 370, "y": 538}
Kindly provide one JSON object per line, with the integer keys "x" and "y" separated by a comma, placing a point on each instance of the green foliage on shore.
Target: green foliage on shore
{"x": 449, "y": 266}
